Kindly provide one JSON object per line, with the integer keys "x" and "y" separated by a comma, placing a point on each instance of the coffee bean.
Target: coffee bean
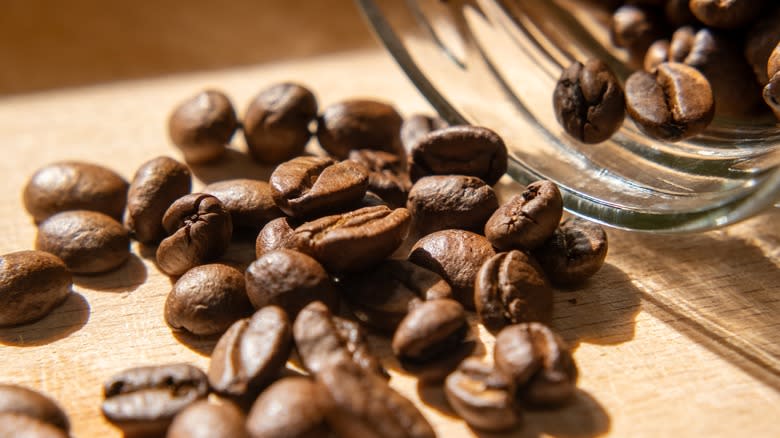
{"x": 635, "y": 27}
{"x": 302, "y": 404}
{"x": 207, "y": 299}
{"x": 760, "y": 40}
{"x": 359, "y": 124}
{"x": 306, "y": 186}
{"x": 387, "y": 176}
{"x": 588, "y": 101}
{"x": 276, "y": 124}
{"x": 87, "y": 241}
{"x": 459, "y": 150}
{"x": 290, "y": 280}
{"x": 574, "y": 253}
{"x": 538, "y": 362}
{"x": 773, "y": 64}
{"x": 275, "y": 235}
{"x": 208, "y": 420}
{"x": 527, "y": 219}
{"x": 483, "y": 397}
{"x": 248, "y": 201}
{"x": 417, "y": 126}
{"x": 673, "y": 103}
{"x": 19, "y": 400}
{"x": 730, "y": 14}
{"x": 656, "y": 54}
{"x": 142, "y": 401}
{"x": 250, "y": 354}
{"x": 772, "y": 94}
{"x": 199, "y": 231}
{"x": 22, "y": 426}
{"x": 32, "y": 284}
{"x": 456, "y": 255}
{"x": 450, "y": 201}
{"x": 74, "y": 185}
{"x": 681, "y": 44}
{"x": 202, "y": 126}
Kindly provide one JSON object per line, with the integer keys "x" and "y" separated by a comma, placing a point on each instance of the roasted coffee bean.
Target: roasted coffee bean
{"x": 74, "y": 185}
{"x": 656, "y": 54}
{"x": 673, "y": 103}
{"x": 450, "y": 201}
{"x": 275, "y": 235}
{"x": 387, "y": 176}
{"x": 323, "y": 339}
{"x": 760, "y": 40}
{"x": 511, "y": 288}
{"x": 417, "y": 126}
{"x": 538, "y": 362}
{"x": 248, "y": 201}
{"x": 207, "y": 299}
{"x": 380, "y": 297}
{"x": 459, "y": 150}
{"x": 19, "y": 400}
{"x": 32, "y": 284}
{"x": 772, "y": 88}
{"x": 730, "y": 14}
{"x": 87, "y": 241}
{"x": 306, "y": 186}
{"x": 142, "y": 401}
{"x": 456, "y": 255}
{"x": 359, "y": 124}
{"x": 588, "y": 101}
{"x": 527, "y": 219}
{"x": 156, "y": 185}
{"x": 22, "y": 426}
{"x": 199, "y": 231}
{"x": 276, "y": 124}
{"x": 574, "y": 253}
{"x": 293, "y": 407}
{"x": 483, "y": 397}
{"x": 202, "y": 126}
{"x": 635, "y": 27}
{"x": 208, "y": 420}
{"x": 290, "y": 280}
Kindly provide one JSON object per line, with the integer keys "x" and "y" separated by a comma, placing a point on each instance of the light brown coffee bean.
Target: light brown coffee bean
{"x": 32, "y": 284}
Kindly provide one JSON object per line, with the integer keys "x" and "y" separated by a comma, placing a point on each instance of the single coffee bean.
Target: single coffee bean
{"x": 417, "y": 126}
{"x": 450, "y": 201}
{"x": 156, "y": 184}
{"x": 459, "y": 150}
{"x": 511, "y": 288}
{"x": 729, "y": 14}
{"x": 32, "y": 284}
{"x": 772, "y": 88}
{"x": 380, "y": 297}
{"x": 574, "y": 253}
{"x": 74, "y": 185}
{"x": 199, "y": 231}
{"x": 359, "y": 124}
{"x": 275, "y": 235}
{"x": 306, "y": 186}
{"x": 276, "y": 124}
{"x": 773, "y": 64}
{"x": 387, "y": 176}
{"x": 248, "y": 201}
{"x": 293, "y": 407}
{"x": 208, "y": 420}
{"x": 527, "y": 219}
{"x": 202, "y": 126}
{"x": 673, "y": 103}
{"x": 656, "y": 54}
{"x": 207, "y": 299}
{"x": 635, "y": 27}
{"x": 588, "y": 101}
{"x": 538, "y": 362}
{"x": 681, "y": 44}
{"x": 483, "y": 397}
{"x": 22, "y": 426}
{"x": 87, "y": 241}
{"x": 760, "y": 40}
{"x": 143, "y": 401}
{"x": 456, "y": 255}
{"x": 19, "y": 400}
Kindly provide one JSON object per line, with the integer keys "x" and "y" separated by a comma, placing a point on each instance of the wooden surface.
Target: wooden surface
{"x": 676, "y": 336}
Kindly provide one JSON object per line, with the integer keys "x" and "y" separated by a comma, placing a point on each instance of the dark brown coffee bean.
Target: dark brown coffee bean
{"x": 275, "y": 235}
{"x": 681, "y": 44}
{"x": 574, "y": 253}
{"x": 142, "y": 401}
{"x": 202, "y": 126}
{"x": 483, "y": 397}
{"x": 207, "y": 299}
{"x": 729, "y": 14}
{"x": 199, "y": 231}
{"x": 456, "y": 255}
{"x": 87, "y": 241}
{"x": 673, "y": 103}
{"x": 74, "y": 185}
{"x": 527, "y": 219}
{"x": 290, "y": 280}
{"x": 22, "y": 426}
{"x": 249, "y": 356}
{"x": 19, "y": 400}
{"x": 156, "y": 184}
{"x": 450, "y": 201}
{"x": 459, "y": 150}
{"x": 208, "y": 420}
{"x": 760, "y": 41}
{"x": 417, "y": 126}
{"x": 538, "y": 362}
{"x": 635, "y": 27}
{"x": 293, "y": 407}
{"x": 387, "y": 176}
{"x": 307, "y": 186}
{"x": 276, "y": 124}
{"x": 656, "y": 54}
{"x": 380, "y": 297}
{"x": 588, "y": 101}
{"x": 359, "y": 124}
{"x": 32, "y": 284}
{"x": 248, "y": 201}
{"x": 772, "y": 88}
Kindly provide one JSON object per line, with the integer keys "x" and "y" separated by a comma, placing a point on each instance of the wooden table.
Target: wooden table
{"x": 676, "y": 336}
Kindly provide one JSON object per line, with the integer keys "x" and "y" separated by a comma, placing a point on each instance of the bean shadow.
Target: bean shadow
{"x": 234, "y": 164}
{"x": 126, "y": 278}
{"x": 67, "y": 318}
{"x": 203, "y": 345}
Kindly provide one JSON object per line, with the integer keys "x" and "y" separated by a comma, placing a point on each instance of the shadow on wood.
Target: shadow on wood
{"x": 68, "y": 318}
{"x": 126, "y": 278}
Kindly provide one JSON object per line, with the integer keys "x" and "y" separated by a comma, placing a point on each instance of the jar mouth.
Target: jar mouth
{"x": 495, "y": 63}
